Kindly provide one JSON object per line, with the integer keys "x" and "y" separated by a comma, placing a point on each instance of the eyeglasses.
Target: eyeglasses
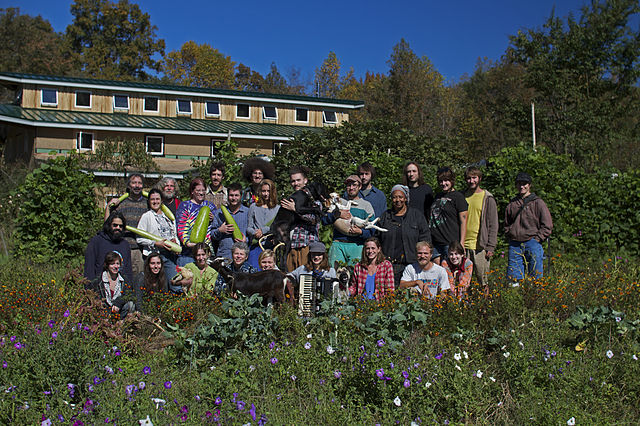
{"x": 117, "y": 225}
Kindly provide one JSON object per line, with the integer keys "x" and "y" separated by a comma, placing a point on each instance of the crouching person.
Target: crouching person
{"x": 111, "y": 288}
{"x": 199, "y": 278}
{"x": 424, "y": 276}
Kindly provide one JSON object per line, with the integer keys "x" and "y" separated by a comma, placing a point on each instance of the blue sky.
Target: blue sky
{"x": 453, "y": 34}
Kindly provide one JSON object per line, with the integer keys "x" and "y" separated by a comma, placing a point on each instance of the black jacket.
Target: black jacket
{"x": 414, "y": 228}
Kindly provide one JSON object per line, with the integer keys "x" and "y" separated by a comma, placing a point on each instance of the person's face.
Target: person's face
{"x": 473, "y": 182}
{"x": 201, "y": 259}
{"x": 371, "y": 250}
{"x": 155, "y": 201}
{"x": 239, "y": 256}
{"x": 523, "y": 188}
{"x": 353, "y": 188}
{"x": 117, "y": 227}
{"x": 169, "y": 189}
{"x": 366, "y": 178}
{"x": 135, "y": 185}
{"x": 198, "y": 194}
{"x": 423, "y": 254}
{"x": 298, "y": 181}
{"x": 114, "y": 267}
{"x": 257, "y": 176}
{"x": 267, "y": 263}
{"x": 216, "y": 178}
{"x": 265, "y": 191}
{"x": 234, "y": 198}
{"x": 455, "y": 258}
{"x": 412, "y": 173}
{"x": 316, "y": 258}
{"x": 155, "y": 264}
{"x": 398, "y": 200}
{"x": 446, "y": 185}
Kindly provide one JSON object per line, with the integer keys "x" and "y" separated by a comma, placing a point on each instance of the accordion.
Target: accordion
{"x": 312, "y": 291}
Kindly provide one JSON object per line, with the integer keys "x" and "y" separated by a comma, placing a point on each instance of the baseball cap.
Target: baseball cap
{"x": 353, "y": 178}
{"x": 317, "y": 247}
{"x": 523, "y": 177}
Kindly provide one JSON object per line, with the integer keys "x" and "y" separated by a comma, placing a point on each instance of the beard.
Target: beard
{"x": 116, "y": 234}
{"x": 168, "y": 195}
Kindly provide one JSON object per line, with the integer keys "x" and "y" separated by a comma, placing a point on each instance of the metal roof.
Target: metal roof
{"x": 147, "y": 124}
{"x": 12, "y": 77}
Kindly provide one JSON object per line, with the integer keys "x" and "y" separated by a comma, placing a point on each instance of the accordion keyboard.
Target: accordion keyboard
{"x": 307, "y": 299}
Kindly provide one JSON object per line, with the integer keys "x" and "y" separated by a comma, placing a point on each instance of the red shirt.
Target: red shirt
{"x": 384, "y": 280}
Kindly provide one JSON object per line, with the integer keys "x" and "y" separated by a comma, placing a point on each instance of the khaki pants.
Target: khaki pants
{"x": 297, "y": 257}
{"x": 481, "y": 265}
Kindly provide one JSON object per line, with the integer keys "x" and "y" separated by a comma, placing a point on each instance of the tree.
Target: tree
{"x": 247, "y": 79}
{"x": 274, "y": 82}
{"x": 327, "y": 80}
{"x": 200, "y": 65}
{"x": 113, "y": 40}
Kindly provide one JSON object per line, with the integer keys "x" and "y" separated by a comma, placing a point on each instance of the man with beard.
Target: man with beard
{"x": 216, "y": 192}
{"x": 370, "y": 193}
{"x": 110, "y": 238}
{"x": 169, "y": 188}
{"x": 424, "y": 276}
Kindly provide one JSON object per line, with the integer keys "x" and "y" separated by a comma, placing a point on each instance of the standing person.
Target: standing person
{"x": 459, "y": 269}
{"x": 152, "y": 280}
{"x": 305, "y": 228}
{"x": 157, "y": 223}
{"x": 448, "y": 220}
{"x": 420, "y": 194}
{"x": 221, "y": 231}
{"x": 204, "y": 276}
{"x": 168, "y": 186}
{"x": 406, "y": 226}
{"x": 347, "y": 246}
{"x": 373, "y": 276}
{"x": 424, "y": 276}
{"x": 261, "y": 215}
{"x": 216, "y": 192}
{"x": 370, "y": 193}
{"x": 132, "y": 207}
{"x": 186, "y": 216}
{"x": 482, "y": 225}
{"x": 527, "y": 224}
{"x": 110, "y": 238}
{"x": 254, "y": 171}
{"x": 110, "y": 286}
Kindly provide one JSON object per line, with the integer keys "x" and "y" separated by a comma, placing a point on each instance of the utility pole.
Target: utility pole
{"x": 533, "y": 124}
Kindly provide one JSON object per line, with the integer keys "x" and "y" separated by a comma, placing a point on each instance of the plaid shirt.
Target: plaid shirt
{"x": 383, "y": 281}
{"x": 306, "y": 230}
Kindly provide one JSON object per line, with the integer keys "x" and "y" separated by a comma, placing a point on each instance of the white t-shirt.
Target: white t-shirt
{"x": 435, "y": 277}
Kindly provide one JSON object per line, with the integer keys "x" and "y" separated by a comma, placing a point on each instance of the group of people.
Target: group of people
{"x": 427, "y": 242}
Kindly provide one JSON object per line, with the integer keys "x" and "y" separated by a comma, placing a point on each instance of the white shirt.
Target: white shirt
{"x": 435, "y": 278}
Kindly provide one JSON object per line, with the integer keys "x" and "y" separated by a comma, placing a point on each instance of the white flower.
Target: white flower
{"x": 397, "y": 401}
{"x": 492, "y": 378}
{"x": 571, "y": 421}
{"x": 309, "y": 336}
{"x": 252, "y": 368}
{"x": 330, "y": 350}
{"x": 145, "y": 422}
{"x": 479, "y": 374}
{"x": 609, "y": 354}
{"x": 506, "y": 354}
{"x": 458, "y": 367}
{"x": 521, "y": 344}
{"x": 427, "y": 385}
{"x": 158, "y": 402}
{"x": 618, "y": 319}
{"x": 466, "y": 355}
{"x": 307, "y": 345}
{"x": 634, "y": 357}
{"x": 457, "y": 356}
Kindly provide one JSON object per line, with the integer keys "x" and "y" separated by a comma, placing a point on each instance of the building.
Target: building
{"x": 176, "y": 123}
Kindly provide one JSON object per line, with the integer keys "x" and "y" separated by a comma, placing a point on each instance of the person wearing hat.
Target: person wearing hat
{"x": 317, "y": 264}
{"x": 527, "y": 224}
{"x": 405, "y": 227}
{"x": 254, "y": 171}
{"x": 347, "y": 246}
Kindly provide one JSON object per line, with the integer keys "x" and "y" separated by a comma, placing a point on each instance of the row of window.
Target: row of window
{"x": 49, "y": 97}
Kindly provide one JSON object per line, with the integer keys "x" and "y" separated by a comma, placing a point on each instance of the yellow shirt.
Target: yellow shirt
{"x": 473, "y": 219}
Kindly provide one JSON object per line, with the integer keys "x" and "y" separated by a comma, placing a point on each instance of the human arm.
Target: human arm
{"x": 491, "y": 218}
{"x": 465, "y": 279}
{"x": 546, "y": 223}
{"x": 462, "y": 216}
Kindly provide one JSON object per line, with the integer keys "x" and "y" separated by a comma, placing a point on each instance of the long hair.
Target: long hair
{"x": 324, "y": 265}
{"x": 405, "y": 181}
{"x": 106, "y": 227}
{"x": 273, "y": 194}
{"x": 154, "y": 282}
{"x": 109, "y": 258}
{"x": 153, "y": 191}
{"x": 364, "y": 261}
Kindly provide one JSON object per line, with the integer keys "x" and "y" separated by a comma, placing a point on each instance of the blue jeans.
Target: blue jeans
{"x": 530, "y": 251}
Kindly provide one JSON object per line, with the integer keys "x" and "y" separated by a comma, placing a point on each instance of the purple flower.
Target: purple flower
{"x": 4, "y": 364}
{"x": 167, "y": 384}
{"x": 380, "y": 343}
{"x": 66, "y": 313}
{"x": 392, "y": 365}
{"x": 54, "y": 335}
{"x": 60, "y": 418}
{"x": 184, "y": 409}
{"x": 274, "y": 361}
{"x": 12, "y": 339}
{"x": 272, "y": 345}
{"x": 52, "y": 323}
{"x": 405, "y": 374}
{"x": 18, "y": 345}
{"x": 72, "y": 389}
{"x": 293, "y": 377}
{"x": 197, "y": 398}
{"x": 218, "y": 401}
{"x": 142, "y": 385}
{"x": 252, "y": 411}
{"x": 307, "y": 345}
{"x": 240, "y": 405}
{"x": 337, "y": 374}
{"x": 380, "y": 373}
{"x": 97, "y": 380}
{"x": 108, "y": 369}
{"x": 439, "y": 356}
{"x": 90, "y": 388}
{"x": 407, "y": 383}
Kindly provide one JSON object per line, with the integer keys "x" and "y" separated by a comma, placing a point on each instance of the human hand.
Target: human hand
{"x": 258, "y": 234}
{"x": 225, "y": 228}
{"x": 489, "y": 254}
{"x": 115, "y": 309}
{"x": 288, "y": 204}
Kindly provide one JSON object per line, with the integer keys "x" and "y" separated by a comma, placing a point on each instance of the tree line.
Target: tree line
{"x": 580, "y": 72}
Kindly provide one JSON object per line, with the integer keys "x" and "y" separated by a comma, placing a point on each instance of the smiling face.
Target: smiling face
{"x": 455, "y": 258}
{"x": 523, "y": 188}
{"x": 155, "y": 201}
{"x": 239, "y": 256}
{"x": 198, "y": 194}
{"x": 201, "y": 258}
{"x": 316, "y": 258}
{"x": 216, "y": 178}
{"x": 298, "y": 181}
{"x": 114, "y": 267}
{"x": 371, "y": 250}
{"x": 169, "y": 189}
{"x": 257, "y": 176}
{"x": 234, "y": 197}
{"x": 353, "y": 188}
{"x": 155, "y": 263}
{"x": 446, "y": 185}
{"x": 267, "y": 263}
{"x": 423, "y": 253}
{"x": 135, "y": 185}
{"x": 398, "y": 200}
{"x": 473, "y": 181}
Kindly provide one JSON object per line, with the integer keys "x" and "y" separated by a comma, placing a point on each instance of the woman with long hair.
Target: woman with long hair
{"x": 111, "y": 288}
{"x": 186, "y": 217}
{"x": 317, "y": 264}
{"x": 459, "y": 269}
{"x": 152, "y": 279}
{"x": 373, "y": 276}
{"x": 261, "y": 214}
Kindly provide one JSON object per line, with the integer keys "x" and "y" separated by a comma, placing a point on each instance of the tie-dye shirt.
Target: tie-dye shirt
{"x": 186, "y": 217}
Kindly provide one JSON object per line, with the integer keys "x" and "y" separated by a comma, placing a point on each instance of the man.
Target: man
{"x": 221, "y": 231}
{"x": 305, "y": 228}
{"x": 448, "y": 219}
{"x": 254, "y": 171}
{"x": 527, "y": 224}
{"x": 110, "y": 238}
{"x": 169, "y": 188}
{"x": 370, "y": 193}
{"x": 420, "y": 194}
{"x": 482, "y": 225}
{"x": 132, "y": 207}
{"x": 424, "y": 276}
{"x": 216, "y": 192}
{"x": 347, "y": 247}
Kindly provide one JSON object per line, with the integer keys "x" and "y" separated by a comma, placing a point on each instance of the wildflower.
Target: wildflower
{"x": 146, "y": 370}
{"x": 439, "y": 356}
{"x": 397, "y": 401}
{"x": 159, "y": 402}
{"x": 54, "y": 335}
{"x": 108, "y": 369}
{"x": 309, "y": 336}
{"x": 66, "y": 313}
{"x": 90, "y": 388}
{"x": 5, "y": 365}
{"x": 492, "y": 378}
{"x": 330, "y": 350}
{"x": 142, "y": 385}
{"x": 618, "y": 319}
{"x": 506, "y": 354}
{"x": 240, "y": 405}
{"x": 479, "y": 374}
{"x": 427, "y": 385}
{"x": 129, "y": 389}
{"x": 380, "y": 343}
{"x": 274, "y": 361}
{"x": 406, "y": 383}
{"x": 72, "y": 389}
{"x": 45, "y": 421}
{"x": 293, "y": 377}
{"x": 167, "y": 384}
{"x": 405, "y": 374}
{"x": 609, "y": 354}
{"x": 380, "y": 373}
{"x": 272, "y": 345}
{"x": 466, "y": 355}
{"x": 458, "y": 367}
{"x": 571, "y": 421}
{"x": 634, "y": 357}
{"x": 457, "y": 356}
{"x": 252, "y": 412}
{"x": 521, "y": 344}
{"x": 218, "y": 401}
{"x": 307, "y": 345}
{"x": 337, "y": 374}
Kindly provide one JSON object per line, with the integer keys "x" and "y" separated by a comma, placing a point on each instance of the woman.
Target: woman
{"x": 373, "y": 276}
{"x": 239, "y": 256}
{"x": 157, "y": 223}
{"x": 152, "y": 280}
{"x": 261, "y": 214}
{"x": 459, "y": 269}
{"x": 110, "y": 286}
{"x": 267, "y": 260}
{"x": 317, "y": 264}
{"x": 186, "y": 217}
{"x": 406, "y": 226}
{"x": 204, "y": 276}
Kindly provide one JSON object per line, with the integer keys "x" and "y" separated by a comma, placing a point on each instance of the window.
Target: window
{"x": 151, "y": 104}
{"x": 83, "y": 99}
{"x": 277, "y": 148}
{"x": 120, "y": 102}
{"x": 49, "y": 97}
{"x": 184, "y": 106}
{"x": 330, "y": 117}
{"x": 242, "y": 110}
{"x": 212, "y": 109}
{"x": 269, "y": 113}
{"x": 154, "y": 145}
{"x": 215, "y": 143}
{"x": 302, "y": 115}
{"x": 84, "y": 141}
